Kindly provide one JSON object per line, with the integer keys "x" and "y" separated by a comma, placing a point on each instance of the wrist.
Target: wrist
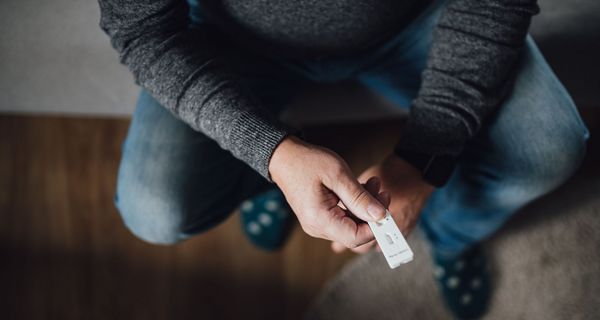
{"x": 407, "y": 171}
{"x": 282, "y": 155}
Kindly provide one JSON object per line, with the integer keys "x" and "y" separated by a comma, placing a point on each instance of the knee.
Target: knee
{"x": 513, "y": 178}
{"x": 547, "y": 156}
{"x": 153, "y": 217}
{"x": 540, "y": 126}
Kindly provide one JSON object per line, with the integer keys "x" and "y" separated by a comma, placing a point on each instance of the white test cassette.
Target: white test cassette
{"x": 394, "y": 247}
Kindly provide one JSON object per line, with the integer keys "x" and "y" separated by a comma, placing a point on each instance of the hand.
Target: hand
{"x": 407, "y": 190}
{"x": 314, "y": 181}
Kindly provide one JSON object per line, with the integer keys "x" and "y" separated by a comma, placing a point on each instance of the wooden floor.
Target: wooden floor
{"x": 64, "y": 253}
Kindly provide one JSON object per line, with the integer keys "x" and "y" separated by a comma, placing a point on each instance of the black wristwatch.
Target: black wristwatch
{"x": 435, "y": 169}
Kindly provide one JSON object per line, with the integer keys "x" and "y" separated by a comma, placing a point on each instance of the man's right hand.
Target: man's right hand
{"x": 314, "y": 180}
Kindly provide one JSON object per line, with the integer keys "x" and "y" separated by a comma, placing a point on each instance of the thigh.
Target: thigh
{"x": 536, "y": 139}
{"x": 534, "y": 142}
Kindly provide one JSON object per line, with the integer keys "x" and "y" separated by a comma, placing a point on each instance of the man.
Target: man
{"x": 490, "y": 127}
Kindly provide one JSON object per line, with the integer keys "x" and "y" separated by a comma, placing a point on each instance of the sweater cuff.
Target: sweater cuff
{"x": 249, "y": 131}
{"x": 433, "y": 131}
{"x": 431, "y": 143}
{"x": 256, "y": 141}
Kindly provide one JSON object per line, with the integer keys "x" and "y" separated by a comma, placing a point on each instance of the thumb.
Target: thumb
{"x": 357, "y": 199}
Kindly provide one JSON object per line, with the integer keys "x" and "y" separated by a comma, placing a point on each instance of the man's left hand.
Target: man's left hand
{"x": 407, "y": 190}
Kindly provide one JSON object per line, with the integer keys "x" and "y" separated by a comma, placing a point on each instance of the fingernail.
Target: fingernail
{"x": 376, "y": 211}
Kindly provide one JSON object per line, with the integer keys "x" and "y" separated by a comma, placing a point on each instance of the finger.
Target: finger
{"x": 385, "y": 198}
{"x": 341, "y": 228}
{"x": 357, "y": 199}
{"x": 337, "y": 247}
{"x": 372, "y": 185}
{"x": 365, "y": 247}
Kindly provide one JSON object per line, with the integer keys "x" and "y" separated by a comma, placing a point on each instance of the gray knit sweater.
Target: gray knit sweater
{"x": 476, "y": 45}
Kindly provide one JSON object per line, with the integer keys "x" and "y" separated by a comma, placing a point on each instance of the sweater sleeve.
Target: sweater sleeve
{"x": 181, "y": 68}
{"x": 476, "y": 45}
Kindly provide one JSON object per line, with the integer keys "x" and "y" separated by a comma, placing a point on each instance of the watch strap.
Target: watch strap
{"x": 435, "y": 169}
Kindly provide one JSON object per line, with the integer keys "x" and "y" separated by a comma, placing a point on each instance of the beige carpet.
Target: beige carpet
{"x": 546, "y": 263}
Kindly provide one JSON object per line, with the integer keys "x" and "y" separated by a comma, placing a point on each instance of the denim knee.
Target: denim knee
{"x": 547, "y": 137}
{"x": 556, "y": 164}
{"x": 547, "y": 156}
{"x": 153, "y": 217}
{"x": 521, "y": 158}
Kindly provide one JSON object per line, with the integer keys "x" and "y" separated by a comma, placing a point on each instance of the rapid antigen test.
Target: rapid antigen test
{"x": 391, "y": 241}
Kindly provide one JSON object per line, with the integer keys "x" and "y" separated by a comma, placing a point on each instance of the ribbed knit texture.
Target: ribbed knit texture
{"x": 476, "y": 45}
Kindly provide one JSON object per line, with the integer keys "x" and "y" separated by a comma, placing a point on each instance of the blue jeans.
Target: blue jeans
{"x": 174, "y": 183}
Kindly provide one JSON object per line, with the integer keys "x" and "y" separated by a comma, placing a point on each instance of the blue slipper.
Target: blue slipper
{"x": 464, "y": 282}
{"x": 267, "y": 219}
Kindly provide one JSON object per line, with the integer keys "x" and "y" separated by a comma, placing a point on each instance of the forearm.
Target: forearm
{"x": 474, "y": 52}
{"x": 181, "y": 68}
